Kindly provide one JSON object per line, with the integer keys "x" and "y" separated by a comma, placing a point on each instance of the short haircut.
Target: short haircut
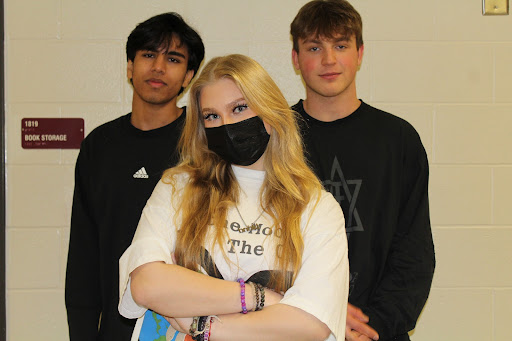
{"x": 159, "y": 31}
{"x": 328, "y": 19}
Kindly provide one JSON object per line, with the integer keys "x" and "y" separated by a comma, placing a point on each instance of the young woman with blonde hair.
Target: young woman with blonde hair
{"x": 241, "y": 224}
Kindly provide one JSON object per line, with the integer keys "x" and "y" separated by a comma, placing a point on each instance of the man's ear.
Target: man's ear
{"x": 129, "y": 69}
{"x": 360, "y": 53}
{"x": 188, "y": 77}
{"x": 295, "y": 59}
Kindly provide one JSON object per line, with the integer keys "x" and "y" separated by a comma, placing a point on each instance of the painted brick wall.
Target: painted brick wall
{"x": 439, "y": 64}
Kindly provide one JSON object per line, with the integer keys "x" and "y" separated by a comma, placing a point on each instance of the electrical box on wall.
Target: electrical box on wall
{"x": 495, "y": 7}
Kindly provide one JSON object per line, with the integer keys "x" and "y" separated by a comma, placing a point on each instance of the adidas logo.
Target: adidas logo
{"x": 141, "y": 174}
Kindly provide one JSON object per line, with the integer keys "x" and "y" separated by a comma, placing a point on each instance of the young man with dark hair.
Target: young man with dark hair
{"x": 118, "y": 166}
{"x": 375, "y": 166}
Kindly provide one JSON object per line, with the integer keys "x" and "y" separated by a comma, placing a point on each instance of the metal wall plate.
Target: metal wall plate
{"x": 495, "y": 7}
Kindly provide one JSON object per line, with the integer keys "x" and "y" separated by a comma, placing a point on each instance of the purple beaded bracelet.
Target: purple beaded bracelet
{"x": 242, "y": 295}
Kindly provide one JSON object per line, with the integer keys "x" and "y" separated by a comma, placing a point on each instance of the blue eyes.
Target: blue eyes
{"x": 210, "y": 117}
{"x": 237, "y": 109}
{"x": 240, "y": 108}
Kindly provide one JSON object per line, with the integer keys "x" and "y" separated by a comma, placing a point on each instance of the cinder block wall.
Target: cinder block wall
{"x": 439, "y": 64}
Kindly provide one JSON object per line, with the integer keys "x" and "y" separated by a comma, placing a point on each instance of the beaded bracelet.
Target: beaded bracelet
{"x": 262, "y": 299}
{"x": 262, "y": 302}
{"x": 256, "y": 297}
{"x": 242, "y": 295}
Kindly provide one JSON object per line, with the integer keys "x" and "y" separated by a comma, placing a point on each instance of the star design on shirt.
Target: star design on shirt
{"x": 345, "y": 192}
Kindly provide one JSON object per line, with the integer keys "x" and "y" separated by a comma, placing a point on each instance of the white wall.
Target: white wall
{"x": 439, "y": 64}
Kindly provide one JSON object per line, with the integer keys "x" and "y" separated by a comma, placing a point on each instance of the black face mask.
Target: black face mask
{"x": 241, "y": 143}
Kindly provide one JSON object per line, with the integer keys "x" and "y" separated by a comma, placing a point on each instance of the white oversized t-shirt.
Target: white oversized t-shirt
{"x": 321, "y": 286}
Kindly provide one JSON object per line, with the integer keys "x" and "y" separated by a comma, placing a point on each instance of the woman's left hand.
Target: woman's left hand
{"x": 181, "y": 324}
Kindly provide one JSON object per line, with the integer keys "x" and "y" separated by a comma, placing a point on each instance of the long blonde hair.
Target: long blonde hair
{"x": 212, "y": 189}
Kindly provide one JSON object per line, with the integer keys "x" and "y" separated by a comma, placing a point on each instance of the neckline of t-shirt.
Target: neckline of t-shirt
{"x": 342, "y": 120}
{"x": 153, "y": 132}
{"x": 248, "y": 174}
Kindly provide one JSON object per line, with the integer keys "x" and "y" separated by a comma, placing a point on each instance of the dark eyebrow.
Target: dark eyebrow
{"x": 176, "y": 53}
{"x": 318, "y": 40}
{"x": 341, "y": 39}
{"x": 312, "y": 40}
{"x": 168, "y": 53}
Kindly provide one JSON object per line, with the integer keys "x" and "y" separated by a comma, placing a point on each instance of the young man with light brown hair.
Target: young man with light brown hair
{"x": 375, "y": 166}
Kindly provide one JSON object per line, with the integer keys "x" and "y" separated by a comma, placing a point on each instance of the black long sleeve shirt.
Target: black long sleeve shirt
{"x": 376, "y": 167}
{"x": 116, "y": 171}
